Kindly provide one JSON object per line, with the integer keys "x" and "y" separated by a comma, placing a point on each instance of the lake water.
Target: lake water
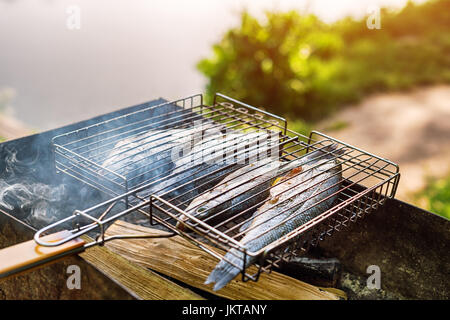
{"x": 125, "y": 52}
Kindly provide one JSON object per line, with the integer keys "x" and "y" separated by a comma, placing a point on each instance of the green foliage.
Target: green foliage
{"x": 299, "y": 126}
{"x": 299, "y": 66}
{"x": 437, "y": 197}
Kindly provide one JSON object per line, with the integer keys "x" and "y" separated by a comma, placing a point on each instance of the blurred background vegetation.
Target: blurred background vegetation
{"x": 300, "y": 66}
{"x": 436, "y": 197}
{"x": 305, "y": 69}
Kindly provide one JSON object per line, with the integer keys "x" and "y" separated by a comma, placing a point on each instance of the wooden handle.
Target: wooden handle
{"x": 29, "y": 255}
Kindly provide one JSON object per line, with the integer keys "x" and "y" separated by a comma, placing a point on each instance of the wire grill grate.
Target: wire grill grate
{"x": 131, "y": 159}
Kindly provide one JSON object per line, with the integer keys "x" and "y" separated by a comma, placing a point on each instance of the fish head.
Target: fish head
{"x": 201, "y": 208}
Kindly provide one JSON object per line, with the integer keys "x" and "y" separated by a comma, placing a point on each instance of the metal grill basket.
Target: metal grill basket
{"x": 129, "y": 156}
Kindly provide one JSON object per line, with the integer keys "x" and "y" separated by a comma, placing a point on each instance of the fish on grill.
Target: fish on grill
{"x": 208, "y": 162}
{"x": 148, "y": 155}
{"x": 244, "y": 188}
{"x": 241, "y": 190}
{"x": 299, "y": 196}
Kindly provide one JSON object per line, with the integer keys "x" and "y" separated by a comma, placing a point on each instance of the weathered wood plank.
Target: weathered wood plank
{"x": 140, "y": 282}
{"x": 178, "y": 258}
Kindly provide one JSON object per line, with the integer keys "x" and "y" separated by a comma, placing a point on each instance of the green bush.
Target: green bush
{"x": 436, "y": 197}
{"x": 298, "y": 66}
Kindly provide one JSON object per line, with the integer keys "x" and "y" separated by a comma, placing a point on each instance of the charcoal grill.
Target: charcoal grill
{"x": 367, "y": 180}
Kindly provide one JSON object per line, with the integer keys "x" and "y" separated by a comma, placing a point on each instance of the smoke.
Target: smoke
{"x": 28, "y": 199}
{"x": 34, "y": 203}
{"x": 14, "y": 167}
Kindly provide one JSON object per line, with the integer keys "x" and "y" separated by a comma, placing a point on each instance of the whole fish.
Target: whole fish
{"x": 207, "y": 163}
{"x": 294, "y": 200}
{"x": 148, "y": 155}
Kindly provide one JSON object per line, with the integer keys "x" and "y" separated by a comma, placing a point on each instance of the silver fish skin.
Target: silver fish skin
{"x": 241, "y": 189}
{"x": 284, "y": 207}
{"x": 148, "y": 155}
{"x": 204, "y": 166}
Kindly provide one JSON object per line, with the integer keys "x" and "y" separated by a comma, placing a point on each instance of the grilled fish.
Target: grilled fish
{"x": 148, "y": 155}
{"x": 243, "y": 189}
{"x": 301, "y": 195}
{"x": 207, "y": 163}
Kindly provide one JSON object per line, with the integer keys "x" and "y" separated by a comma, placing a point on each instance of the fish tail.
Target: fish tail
{"x": 329, "y": 151}
{"x": 334, "y": 149}
{"x": 224, "y": 272}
